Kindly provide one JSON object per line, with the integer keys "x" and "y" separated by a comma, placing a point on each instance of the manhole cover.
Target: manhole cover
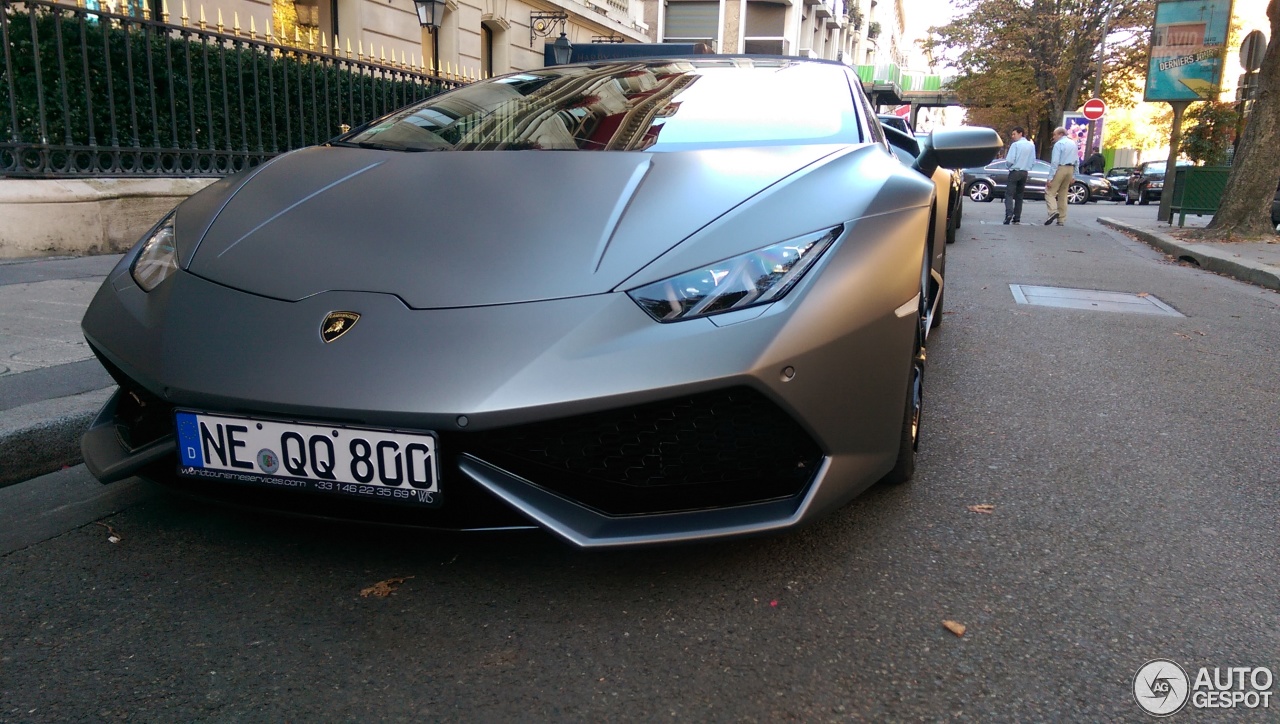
{"x": 1091, "y": 299}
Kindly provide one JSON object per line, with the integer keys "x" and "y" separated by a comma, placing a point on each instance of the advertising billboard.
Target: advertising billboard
{"x": 1078, "y": 130}
{"x": 1188, "y": 43}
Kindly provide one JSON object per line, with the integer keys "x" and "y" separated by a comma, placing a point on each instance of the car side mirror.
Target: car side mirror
{"x": 958, "y": 148}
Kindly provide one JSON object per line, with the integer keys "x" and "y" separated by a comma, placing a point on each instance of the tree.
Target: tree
{"x": 1245, "y": 210}
{"x": 1025, "y": 62}
{"x": 1208, "y": 130}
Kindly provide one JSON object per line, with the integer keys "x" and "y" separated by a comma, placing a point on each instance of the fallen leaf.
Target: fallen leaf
{"x": 382, "y": 589}
{"x": 955, "y": 627}
{"x": 112, "y": 535}
{"x": 987, "y": 508}
{"x": 1144, "y": 294}
{"x": 1184, "y": 336}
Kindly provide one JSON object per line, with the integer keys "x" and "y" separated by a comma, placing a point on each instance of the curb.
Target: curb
{"x": 44, "y": 436}
{"x": 1204, "y": 257}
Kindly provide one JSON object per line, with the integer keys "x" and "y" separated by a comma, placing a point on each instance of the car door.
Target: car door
{"x": 998, "y": 172}
{"x": 1038, "y": 178}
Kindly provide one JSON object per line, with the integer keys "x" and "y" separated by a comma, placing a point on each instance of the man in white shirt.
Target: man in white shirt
{"x": 1063, "y": 159}
{"x": 1022, "y": 153}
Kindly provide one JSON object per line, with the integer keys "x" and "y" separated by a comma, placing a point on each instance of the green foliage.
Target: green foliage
{"x": 81, "y": 81}
{"x": 1027, "y": 61}
{"x": 1209, "y": 129}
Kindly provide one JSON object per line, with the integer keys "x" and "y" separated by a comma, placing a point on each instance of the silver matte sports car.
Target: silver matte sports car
{"x": 630, "y": 302}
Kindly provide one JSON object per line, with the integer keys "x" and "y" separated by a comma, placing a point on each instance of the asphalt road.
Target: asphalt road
{"x": 1130, "y": 461}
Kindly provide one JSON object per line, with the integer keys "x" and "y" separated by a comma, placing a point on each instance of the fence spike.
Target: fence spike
{"x": 164, "y": 11}
{"x": 348, "y": 47}
{"x": 253, "y": 28}
{"x": 382, "y": 55}
{"x": 360, "y": 49}
{"x": 311, "y": 39}
{"x": 219, "y": 20}
{"x": 324, "y": 43}
{"x": 203, "y": 24}
{"x": 80, "y": 4}
{"x": 403, "y": 64}
{"x": 184, "y": 13}
{"x": 235, "y": 23}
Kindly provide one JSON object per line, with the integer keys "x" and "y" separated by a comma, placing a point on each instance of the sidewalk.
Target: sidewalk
{"x": 1257, "y": 262}
{"x": 50, "y": 384}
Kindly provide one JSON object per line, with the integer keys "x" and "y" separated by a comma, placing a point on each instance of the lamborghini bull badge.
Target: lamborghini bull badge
{"x": 336, "y": 324}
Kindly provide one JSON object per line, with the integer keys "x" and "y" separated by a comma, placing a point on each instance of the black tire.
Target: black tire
{"x": 1128, "y": 200}
{"x": 981, "y": 191}
{"x": 1142, "y": 198}
{"x": 1079, "y": 191}
{"x": 904, "y": 468}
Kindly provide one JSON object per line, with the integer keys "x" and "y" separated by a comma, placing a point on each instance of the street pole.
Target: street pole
{"x": 1097, "y": 81}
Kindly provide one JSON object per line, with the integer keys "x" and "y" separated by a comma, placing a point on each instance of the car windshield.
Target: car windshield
{"x": 639, "y": 106}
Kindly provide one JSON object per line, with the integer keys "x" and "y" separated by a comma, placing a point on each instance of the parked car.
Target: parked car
{"x": 631, "y": 302}
{"x": 1147, "y": 182}
{"x": 987, "y": 183}
{"x": 1118, "y": 177}
{"x": 1275, "y": 209}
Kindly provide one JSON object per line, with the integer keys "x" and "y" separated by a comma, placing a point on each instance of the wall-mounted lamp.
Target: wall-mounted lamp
{"x": 430, "y": 13}
{"x": 562, "y": 49}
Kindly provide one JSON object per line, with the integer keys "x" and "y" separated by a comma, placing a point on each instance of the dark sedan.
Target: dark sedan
{"x": 986, "y": 183}
{"x": 1146, "y": 183}
{"x": 1118, "y": 177}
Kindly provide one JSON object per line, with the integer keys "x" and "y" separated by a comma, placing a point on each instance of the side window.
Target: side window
{"x": 868, "y": 113}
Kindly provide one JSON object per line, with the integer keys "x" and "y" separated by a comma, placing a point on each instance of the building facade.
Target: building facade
{"x": 475, "y": 39}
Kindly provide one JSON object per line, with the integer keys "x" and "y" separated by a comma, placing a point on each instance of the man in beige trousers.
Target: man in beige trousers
{"x": 1063, "y": 159}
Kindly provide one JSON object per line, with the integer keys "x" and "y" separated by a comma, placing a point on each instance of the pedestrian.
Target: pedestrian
{"x": 1062, "y": 159}
{"x": 1022, "y": 153}
{"x": 1097, "y": 163}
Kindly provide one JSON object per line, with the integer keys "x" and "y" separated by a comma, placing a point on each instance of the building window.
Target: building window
{"x": 765, "y": 28}
{"x": 692, "y": 21}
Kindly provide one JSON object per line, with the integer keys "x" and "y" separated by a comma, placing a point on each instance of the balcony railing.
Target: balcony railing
{"x": 92, "y": 93}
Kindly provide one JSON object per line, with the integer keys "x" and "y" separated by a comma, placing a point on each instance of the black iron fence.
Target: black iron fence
{"x": 92, "y": 93}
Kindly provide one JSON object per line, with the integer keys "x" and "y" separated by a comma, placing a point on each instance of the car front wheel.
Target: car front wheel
{"x": 1142, "y": 198}
{"x": 980, "y": 191}
{"x": 1077, "y": 194}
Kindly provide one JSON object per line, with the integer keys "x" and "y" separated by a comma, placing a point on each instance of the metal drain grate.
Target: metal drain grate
{"x": 1092, "y": 299}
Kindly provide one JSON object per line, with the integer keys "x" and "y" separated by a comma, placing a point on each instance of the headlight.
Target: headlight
{"x": 754, "y": 278}
{"x": 1157, "y": 184}
{"x": 158, "y": 258}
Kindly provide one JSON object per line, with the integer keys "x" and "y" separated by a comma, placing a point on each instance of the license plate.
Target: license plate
{"x": 367, "y": 463}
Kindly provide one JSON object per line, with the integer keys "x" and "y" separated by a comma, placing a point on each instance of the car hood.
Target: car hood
{"x": 456, "y": 229}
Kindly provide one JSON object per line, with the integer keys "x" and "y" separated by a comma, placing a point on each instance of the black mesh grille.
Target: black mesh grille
{"x": 141, "y": 417}
{"x": 728, "y": 447}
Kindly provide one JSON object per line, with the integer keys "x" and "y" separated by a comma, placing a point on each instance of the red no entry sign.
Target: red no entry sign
{"x": 1094, "y": 109}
